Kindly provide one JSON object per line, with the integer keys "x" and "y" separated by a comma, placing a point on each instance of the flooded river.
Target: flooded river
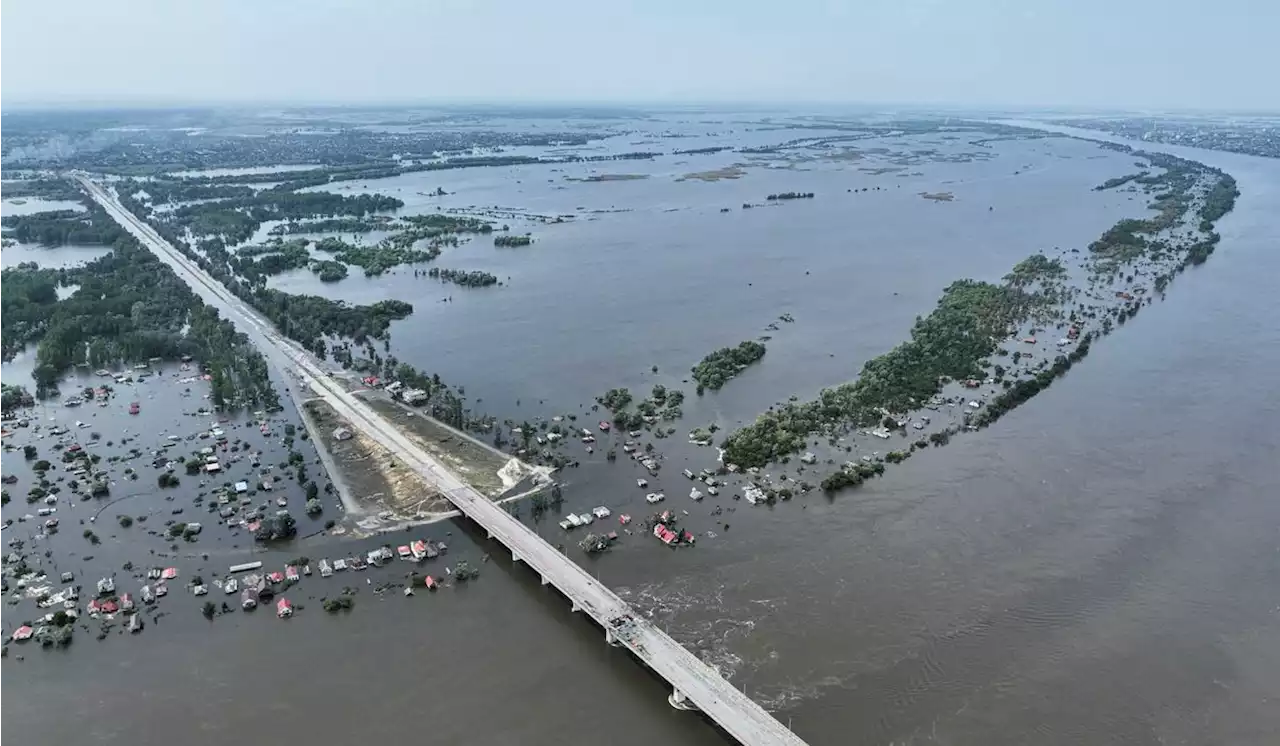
{"x": 1099, "y": 567}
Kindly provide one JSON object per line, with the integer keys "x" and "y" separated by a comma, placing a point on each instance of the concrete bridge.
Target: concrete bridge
{"x": 694, "y": 684}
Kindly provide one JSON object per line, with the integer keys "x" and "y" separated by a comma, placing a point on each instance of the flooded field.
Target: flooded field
{"x": 1094, "y": 568}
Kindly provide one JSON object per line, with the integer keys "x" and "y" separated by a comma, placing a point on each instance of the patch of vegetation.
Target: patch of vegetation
{"x": 473, "y": 279}
{"x": 129, "y": 307}
{"x": 949, "y": 343}
{"x": 716, "y": 369}
{"x": 1036, "y": 268}
{"x": 377, "y": 259}
{"x": 1120, "y": 181}
{"x": 60, "y": 227}
{"x": 329, "y": 271}
{"x": 237, "y": 219}
{"x": 334, "y": 225}
{"x": 341, "y": 603}
{"x": 615, "y": 400}
{"x": 510, "y": 241}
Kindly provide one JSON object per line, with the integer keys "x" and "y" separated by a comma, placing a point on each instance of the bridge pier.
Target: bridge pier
{"x": 575, "y": 607}
{"x": 545, "y": 581}
{"x": 611, "y": 638}
{"x": 679, "y": 701}
{"x": 514, "y": 557}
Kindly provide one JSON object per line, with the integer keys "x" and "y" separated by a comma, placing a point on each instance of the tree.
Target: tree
{"x": 312, "y": 491}
{"x": 29, "y": 452}
{"x": 42, "y": 465}
{"x": 314, "y": 507}
{"x": 125, "y": 521}
{"x": 208, "y": 610}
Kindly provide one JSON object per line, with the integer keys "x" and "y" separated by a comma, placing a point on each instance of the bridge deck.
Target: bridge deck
{"x": 695, "y": 682}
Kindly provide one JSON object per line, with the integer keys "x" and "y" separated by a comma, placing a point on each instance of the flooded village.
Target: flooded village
{"x": 673, "y": 348}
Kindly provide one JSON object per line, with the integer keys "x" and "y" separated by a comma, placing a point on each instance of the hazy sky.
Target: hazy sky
{"x": 1115, "y": 53}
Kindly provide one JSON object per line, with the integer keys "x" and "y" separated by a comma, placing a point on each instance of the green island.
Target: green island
{"x": 329, "y": 271}
{"x": 255, "y": 263}
{"x": 509, "y": 241}
{"x": 473, "y": 279}
{"x": 957, "y": 340}
{"x": 378, "y": 258}
{"x": 716, "y": 369}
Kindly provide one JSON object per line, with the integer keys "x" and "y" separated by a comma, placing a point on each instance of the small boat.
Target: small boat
{"x": 642, "y": 483}
{"x": 653, "y": 498}
{"x": 430, "y": 583}
{"x": 688, "y": 474}
{"x": 282, "y": 502}
{"x": 590, "y": 449}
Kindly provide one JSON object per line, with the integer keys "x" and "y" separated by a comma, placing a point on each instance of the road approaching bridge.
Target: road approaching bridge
{"x": 695, "y": 685}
